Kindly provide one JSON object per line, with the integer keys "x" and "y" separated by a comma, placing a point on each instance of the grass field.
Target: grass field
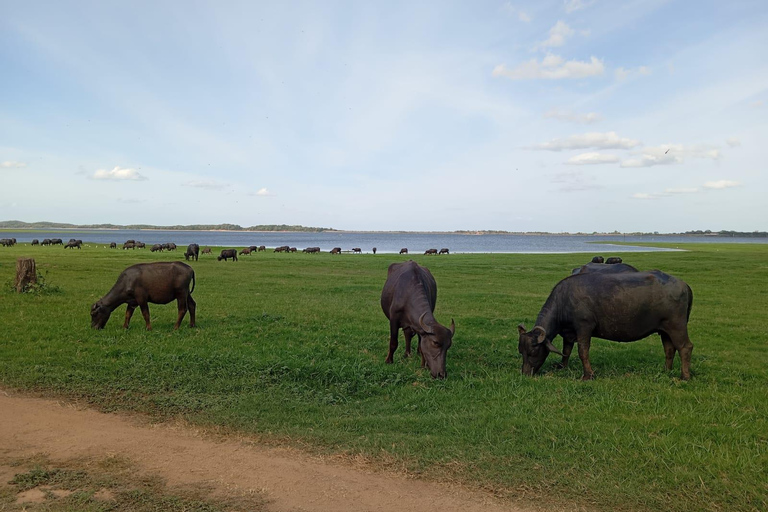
{"x": 290, "y": 348}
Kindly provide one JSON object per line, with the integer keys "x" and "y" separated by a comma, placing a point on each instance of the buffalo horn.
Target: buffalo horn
{"x": 452, "y": 327}
{"x": 425, "y": 328}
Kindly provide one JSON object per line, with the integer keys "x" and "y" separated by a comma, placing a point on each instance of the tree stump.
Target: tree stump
{"x": 26, "y": 274}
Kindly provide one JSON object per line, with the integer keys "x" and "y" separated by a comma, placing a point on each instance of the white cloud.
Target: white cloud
{"x": 721, "y": 184}
{"x": 592, "y": 159}
{"x": 643, "y": 195}
{"x": 608, "y": 140}
{"x": 573, "y": 117}
{"x": 577, "y": 5}
{"x": 644, "y": 70}
{"x": 522, "y": 16}
{"x": 733, "y": 142}
{"x": 557, "y": 35}
{"x": 512, "y": 10}
{"x": 551, "y": 67}
{"x": 118, "y": 174}
{"x": 669, "y": 154}
{"x": 672, "y": 191}
{"x": 207, "y": 184}
{"x": 12, "y": 165}
{"x": 622, "y": 74}
{"x": 264, "y": 192}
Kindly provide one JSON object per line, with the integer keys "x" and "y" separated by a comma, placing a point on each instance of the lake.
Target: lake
{"x": 385, "y": 242}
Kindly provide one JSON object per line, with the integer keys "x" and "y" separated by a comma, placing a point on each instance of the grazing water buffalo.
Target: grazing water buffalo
{"x": 245, "y": 251}
{"x": 228, "y": 253}
{"x": 207, "y": 250}
{"x": 613, "y": 260}
{"x": 154, "y": 248}
{"x": 336, "y": 250}
{"x": 292, "y": 249}
{"x": 253, "y": 248}
{"x": 374, "y": 250}
{"x": 130, "y": 245}
{"x": 603, "y": 267}
{"x": 262, "y": 248}
{"x": 141, "y": 245}
{"x": 598, "y": 259}
{"x": 35, "y": 242}
{"x": 46, "y": 241}
{"x": 5, "y": 242}
{"x": 113, "y": 245}
{"x": 626, "y": 306}
{"x": 282, "y": 248}
{"x": 404, "y": 250}
{"x": 193, "y": 251}
{"x": 138, "y": 285}
{"x": 74, "y": 243}
{"x": 430, "y": 251}
{"x": 444, "y": 250}
{"x": 357, "y": 250}
{"x": 408, "y": 300}
{"x": 57, "y": 241}
{"x": 311, "y": 250}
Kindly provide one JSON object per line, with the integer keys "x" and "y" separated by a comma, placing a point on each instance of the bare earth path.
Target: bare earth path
{"x": 291, "y": 481}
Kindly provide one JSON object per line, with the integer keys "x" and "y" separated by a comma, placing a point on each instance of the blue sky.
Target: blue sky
{"x": 572, "y": 115}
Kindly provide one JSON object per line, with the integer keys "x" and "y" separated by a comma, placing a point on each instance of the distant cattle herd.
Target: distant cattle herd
{"x": 604, "y": 298}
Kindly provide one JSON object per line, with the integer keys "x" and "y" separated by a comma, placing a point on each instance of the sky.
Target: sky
{"x": 558, "y": 116}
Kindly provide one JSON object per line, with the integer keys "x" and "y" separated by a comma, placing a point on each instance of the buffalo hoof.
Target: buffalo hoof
{"x": 388, "y": 360}
{"x": 588, "y": 376}
{"x": 561, "y": 366}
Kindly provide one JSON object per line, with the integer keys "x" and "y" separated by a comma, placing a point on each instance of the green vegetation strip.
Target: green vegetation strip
{"x": 291, "y": 348}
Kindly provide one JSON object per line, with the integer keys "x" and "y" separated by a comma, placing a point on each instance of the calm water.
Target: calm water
{"x": 384, "y": 242}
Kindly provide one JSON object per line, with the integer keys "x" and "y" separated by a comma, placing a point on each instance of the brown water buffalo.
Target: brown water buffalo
{"x": 613, "y": 260}
{"x": 624, "y": 307}
{"x": 336, "y": 250}
{"x": 282, "y": 248}
{"x": 404, "y": 250}
{"x": 138, "y": 285}
{"x": 408, "y": 301}
{"x": 207, "y": 250}
{"x": 603, "y": 267}
{"x": 598, "y": 259}
{"x": 245, "y": 251}
{"x": 444, "y": 250}
{"x": 357, "y": 250}
{"x": 430, "y": 251}
{"x": 292, "y": 249}
{"x": 113, "y": 245}
{"x": 193, "y": 251}
{"x": 154, "y": 248}
{"x": 228, "y": 253}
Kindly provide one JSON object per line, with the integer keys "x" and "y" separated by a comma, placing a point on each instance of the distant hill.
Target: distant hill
{"x": 17, "y": 224}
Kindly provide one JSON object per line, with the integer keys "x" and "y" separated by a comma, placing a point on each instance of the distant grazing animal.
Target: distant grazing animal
{"x": 598, "y": 259}
{"x": 130, "y": 242}
{"x": 404, "y": 250}
{"x": 56, "y": 241}
{"x": 357, "y": 250}
{"x": 73, "y": 243}
{"x": 228, "y": 253}
{"x": 613, "y": 260}
{"x": 245, "y": 251}
{"x": 444, "y": 250}
{"x": 193, "y": 251}
{"x": 138, "y": 285}
{"x": 408, "y": 301}
{"x": 141, "y": 245}
{"x": 262, "y": 248}
{"x": 170, "y": 246}
{"x": 626, "y": 306}
{"x": 46, "y": 241}
{"x": 430, "y": 251}
{"x": 311, "y": 250}
{"x": 130, "y": 245}
{"x": 374, "y": 250}
{"x": 292, "y": 249}
{"x": 282, "y": 248}
{"x": 253, "y": 248}
{"x": 113, "y": 245}
{"x": 5, "y": 242}
{"x": 35, "y": 242}
{"x": 207, "y": 250}
{"x": 604, "y": 268}
{"x": 336, "y": 250}
{"x": 156, "y": 248}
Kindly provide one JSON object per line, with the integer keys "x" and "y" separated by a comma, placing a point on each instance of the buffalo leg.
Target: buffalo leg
{"x": 669, "y": 350}
{"x": 128, "y": 314}
{"x": 192, "y": 306}
{"x": 584, "y": 344}
{"x": 408, "y": 334}
{"x": 418, "y": 349}
{"x": 567, "y": 348}
{"x": 181, "y": 302}
{"x": 393, "y": 328}
{"x": 145, "y": 313}
{"x": 684, "y": 347}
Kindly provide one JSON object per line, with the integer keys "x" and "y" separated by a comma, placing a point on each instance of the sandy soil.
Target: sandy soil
{"x": 290, "y": 481}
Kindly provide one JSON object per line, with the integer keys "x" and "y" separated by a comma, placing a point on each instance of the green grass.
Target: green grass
{"x": 290, "y": 348}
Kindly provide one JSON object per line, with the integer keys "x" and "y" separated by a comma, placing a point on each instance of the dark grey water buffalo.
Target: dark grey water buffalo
{"x": 444, "y": 250}
{"x": 74, "y": 243}
{"x": 624, "y": 307}
{"x": 311, "y": 250}
{"x": 282, "y": 248}
{"x": 336, "y": 250}
{"x": 374, "y": 250}
{"x": 57, "y": 241}
{"x": 155, "y": 248}
{"x": 603, "y": 267}
{"x": 35, "y": 242}
{"x": 357, "y": 250}
{"x": 129, "y": 245}
{"x": 404, "y": 250}
{"x": 262, "y": 248}
{"x": 253, "y": 248}
{"x": 613, "y": 260}
{"x": 408, "y": 300}
{"x": 193, "y": 251}
{"x": 228, "y": 253}
{"x": 430, "y": 251}
{"x": 138, "y": 285}
{"x": 598, "y": 259}
{"x": 113, "y": 245}
{"x": 141, "y": 245}
{"x": 46, "y": 241}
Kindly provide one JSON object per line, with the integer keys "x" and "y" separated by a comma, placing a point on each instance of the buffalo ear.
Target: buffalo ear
{"x": 521, "y": 329}
{"x": 452, "y": 327}
{"x": 553, "y": 348}
{"x": 541, "y": 334}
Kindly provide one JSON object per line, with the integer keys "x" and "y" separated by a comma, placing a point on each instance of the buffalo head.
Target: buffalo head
{"x": 99, "y": 315}
{"x": 534, "y": 347}
{"x": 433, "y": 346}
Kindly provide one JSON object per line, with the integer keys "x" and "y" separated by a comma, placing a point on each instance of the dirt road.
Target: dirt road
{"x": 289, "y": 480}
